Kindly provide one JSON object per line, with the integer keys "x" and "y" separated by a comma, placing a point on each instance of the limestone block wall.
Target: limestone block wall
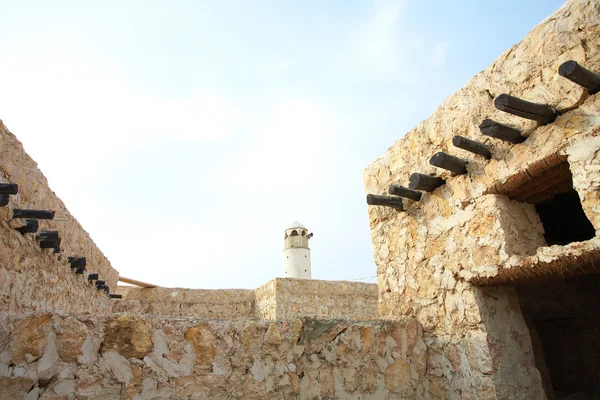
{"x": 467, "y": 230}
{"x": 34, "y": 279}
{"x": 325, "y": 299}
{"x": 266, "y": 300}
{"x": 216, "y": 304}
{"x": 131, "y": 357}
{"x": 280, "y": 298}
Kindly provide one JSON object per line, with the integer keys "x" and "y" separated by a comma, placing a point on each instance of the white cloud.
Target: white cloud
{"x": 378, "y": 38}
{"x": 276, "y": 68}
{"x": 80, "y": 107}
{"x": 438, "y": 55}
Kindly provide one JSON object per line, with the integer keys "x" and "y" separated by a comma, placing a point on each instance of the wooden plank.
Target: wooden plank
{"x": 136, "y": 283}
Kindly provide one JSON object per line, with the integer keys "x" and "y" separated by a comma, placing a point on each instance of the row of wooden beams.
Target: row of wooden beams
{"x": 541, "y": 113}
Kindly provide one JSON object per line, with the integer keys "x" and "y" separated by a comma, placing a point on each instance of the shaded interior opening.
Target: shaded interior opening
{"x": 564, "y": 220}
{"x": 562, "y": 317}
{"x": 557, "y": 204}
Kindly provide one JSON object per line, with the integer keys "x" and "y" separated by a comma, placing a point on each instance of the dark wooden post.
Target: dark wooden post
{"x": 472, "y": 146}
{"x": 448, "y": 162}
{"x": 424, "y": 182}
{"x": 404, "y": 192}
{"x": 500, "y": 131}
{"x": 4, "y": 200}
{"x": 542, "y": 113}
{"x": 45, "y": 235}
{"x": 387, "y": 201}
{"x": 580, "y": 75}
{"x": 34, "y": 214}
{"x": 51, "y": 243}
{"x": 9, "y": 188}
{"x": 99, "y": 284}
{"x": 77, "y": 262}
{"x": 115, "y": 296}
{"x": 93, "y": 277}
{"x": 31, "y": 226}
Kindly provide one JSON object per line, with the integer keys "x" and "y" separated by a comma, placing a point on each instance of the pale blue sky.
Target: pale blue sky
{"x": 186, "y": 135}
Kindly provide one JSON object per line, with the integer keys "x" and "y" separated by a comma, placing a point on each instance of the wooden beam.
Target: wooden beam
{"x": 77, "y": 262}
{"x": 34, "y": 214}
{"x": 136, "y": 283}
{"x": 424, "y": 182}
{"x": 404, "y": 192}
{"x": 542, "y": 113}
{"x": 31, "y": 226}
{"x": 472, "y": 146}
{"x": 9, "y": 188}
{"x": 448, "y": 162}
{"x": 500, "y": 131}
{"x": 387, "y": 201}
{"x": 580, "y": 75}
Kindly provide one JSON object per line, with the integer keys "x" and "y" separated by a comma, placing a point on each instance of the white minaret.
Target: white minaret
{"x": 296, "y": 254}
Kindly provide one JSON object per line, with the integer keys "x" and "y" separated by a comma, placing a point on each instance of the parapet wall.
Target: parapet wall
{"x": 280, "y": 298}
{"x": 473, "y": 229}
{"x": 325, "y": 299}
{"x": 34, "y": 279}
{"x": 131, "y": 357}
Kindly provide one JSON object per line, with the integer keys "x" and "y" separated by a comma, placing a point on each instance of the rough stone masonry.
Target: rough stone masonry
{"x": 465, "y": 310}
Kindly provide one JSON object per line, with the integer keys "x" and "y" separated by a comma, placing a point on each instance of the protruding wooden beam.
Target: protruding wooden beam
{"x": 106, "y": 289}
{"x": 448, "y": 162}
{"x": 580, "y": 75}
{"x": 4, "y": 200}
{"x": 472, "y": 146}
{"x": 51, "y": 243}
{"x": 31, "y": 226}
{"x": 77, "y": 262}
{"x": 136, "y": 282}
{"x": 115, "y": 296}
{"x": 404, "y": 192}
{"x": 34, "y": 214}
{"x": 424, "y": 182}
{"x": 387, "y": 201}
{"x": 99, "y": 284}
{"x": 48, "y": 235}
{"x": 500, "y": 131}
{"x": 9, "y": 188}
{"x": 93, "y": 277}
{"x": 542, "y": 113}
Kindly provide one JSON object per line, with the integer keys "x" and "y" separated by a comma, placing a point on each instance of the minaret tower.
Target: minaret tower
{"x": 296, "y": 254}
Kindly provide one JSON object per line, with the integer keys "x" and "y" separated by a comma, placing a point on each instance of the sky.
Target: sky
{"x": 185, "y": 136}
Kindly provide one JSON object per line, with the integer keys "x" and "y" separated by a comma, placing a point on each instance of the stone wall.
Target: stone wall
{"x": 136, "y": 357}
{"x": 34, "y": 279}
{"x": 468, "y": 230}
{"x": 325, "y": 299}
{"x": 215, "y": 304}
{"x": 280, "y": 298}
